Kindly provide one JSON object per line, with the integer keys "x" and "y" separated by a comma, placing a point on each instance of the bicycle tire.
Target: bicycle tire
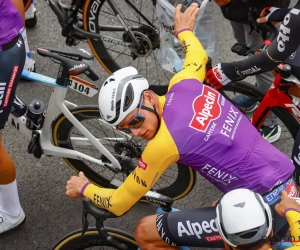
{"x": 91, "y": 11}
{"x": 62, "y": 127}
{"x": 250, "y": 90}
{"x": 74, "y": 240}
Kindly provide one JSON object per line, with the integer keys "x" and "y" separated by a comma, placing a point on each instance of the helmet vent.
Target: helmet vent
{"x": 106, "y": 82}
{"x": 249, "y": 233}
{"x": 128, "y": 99}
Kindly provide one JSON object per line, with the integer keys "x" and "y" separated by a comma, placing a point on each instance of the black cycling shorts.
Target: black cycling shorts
{"x": 12, "y": 60}
{"x": 197, "y": 227}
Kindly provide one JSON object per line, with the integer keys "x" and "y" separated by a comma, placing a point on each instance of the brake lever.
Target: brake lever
{"x": 85, "y": 222}
{"x": 252, "y": 16}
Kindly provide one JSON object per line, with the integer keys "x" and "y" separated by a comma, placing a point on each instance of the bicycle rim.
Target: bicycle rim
{"x": 176, "y": 182}
{"x": 115, "y": 56}
{"x": 288, "y": 123}
{"x": 91, "y": 240}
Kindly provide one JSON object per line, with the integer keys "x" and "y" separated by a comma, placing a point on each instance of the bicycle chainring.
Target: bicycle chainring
{"x": 148, "y": 37}
{"x": 152, "y": 33}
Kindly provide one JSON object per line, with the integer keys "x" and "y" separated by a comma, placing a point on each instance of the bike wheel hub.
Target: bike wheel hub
{"x": 128, "y": 149}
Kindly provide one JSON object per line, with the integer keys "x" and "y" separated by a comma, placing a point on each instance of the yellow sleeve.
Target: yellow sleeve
{"x": 195, "y": 59}
{"x": 158, "y": 155}
{"x": 293, "y": 219}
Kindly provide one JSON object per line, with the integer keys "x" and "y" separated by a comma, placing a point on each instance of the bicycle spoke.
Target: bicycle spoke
{"x": 167, "y": 175}
{"x": 138, "y": 63}
{"x": 139, "y": 9}
{"x": 164, "y": 180}
{"x": 125, "y": 56}
{"x": 129, "y": 63}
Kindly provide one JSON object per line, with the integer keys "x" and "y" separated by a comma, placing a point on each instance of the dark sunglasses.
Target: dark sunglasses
{"x": 136, "y": 122}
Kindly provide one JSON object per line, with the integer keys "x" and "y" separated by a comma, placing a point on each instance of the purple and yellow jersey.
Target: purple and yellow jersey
{"x": 10, "y": 22}
{"x": 201, "y": 129}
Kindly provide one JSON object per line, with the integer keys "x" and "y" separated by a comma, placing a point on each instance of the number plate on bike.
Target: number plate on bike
{"x": 82, "y": 86}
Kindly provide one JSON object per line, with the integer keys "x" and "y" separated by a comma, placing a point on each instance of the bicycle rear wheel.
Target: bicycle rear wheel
{"x": 99, "y": 18}
{"x": 287, "y": 121}
{"x": 91, "y": 240}
{"x": 176, "y": 182}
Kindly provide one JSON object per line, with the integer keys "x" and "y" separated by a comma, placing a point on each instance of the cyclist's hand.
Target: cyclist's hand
{"x": 75, "y": 184}
{"x": 286, "y": 203}
{"x": 272, "y": 14}
{"x": 222, "y": 2}
{"x": 216, "y": 77}
{"x": 187, "y": 19}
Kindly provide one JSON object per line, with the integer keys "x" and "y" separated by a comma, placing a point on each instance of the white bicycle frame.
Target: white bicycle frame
{"x": 57, "y": 105}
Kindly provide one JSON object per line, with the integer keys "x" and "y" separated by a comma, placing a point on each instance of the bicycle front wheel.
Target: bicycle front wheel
{"x": 91, "y": 240}
{"x": 176, "y": 182}
{"x": 288, "y": 123}
{"x": 116, "y": 49}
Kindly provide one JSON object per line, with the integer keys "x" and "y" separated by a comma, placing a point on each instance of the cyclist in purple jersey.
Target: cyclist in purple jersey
{"x": 12, "y": 59}
{"x": 192, "y": 124}
{"x": 10, "y": 22}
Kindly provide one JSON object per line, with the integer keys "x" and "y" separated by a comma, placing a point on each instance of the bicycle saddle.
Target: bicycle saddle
{"x": 77, "y": 61}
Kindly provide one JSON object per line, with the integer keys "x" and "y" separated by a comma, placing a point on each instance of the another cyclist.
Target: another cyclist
{"x": 285, "y": 46}
{"x": 192, "y": 124}
{"x": 236, "y": 11}
{"x": 12, "y": 58}
{"x": 244, "y": 220}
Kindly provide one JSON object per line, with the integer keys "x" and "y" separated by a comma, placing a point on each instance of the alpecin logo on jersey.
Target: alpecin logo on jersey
{"x": 206, "y": 109}
{"x": 143, "y": 165}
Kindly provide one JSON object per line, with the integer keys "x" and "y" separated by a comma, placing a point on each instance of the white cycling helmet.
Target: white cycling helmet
{"x": 120, "y": 94}
{"x": 243, "y": 217}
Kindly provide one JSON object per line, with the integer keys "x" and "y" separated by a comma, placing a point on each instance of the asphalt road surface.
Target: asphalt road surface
{"x": 41, "y": 182}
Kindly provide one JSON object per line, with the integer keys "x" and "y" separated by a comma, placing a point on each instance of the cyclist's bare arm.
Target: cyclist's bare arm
{"x": 286, "y": 43}
{"x": 156, "y": 158}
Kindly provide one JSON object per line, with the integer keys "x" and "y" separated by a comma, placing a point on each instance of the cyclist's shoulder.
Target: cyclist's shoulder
{"x": 161, "y": 147}
{"x": 163, "y": 142}
{"x": 183, "y": 78}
